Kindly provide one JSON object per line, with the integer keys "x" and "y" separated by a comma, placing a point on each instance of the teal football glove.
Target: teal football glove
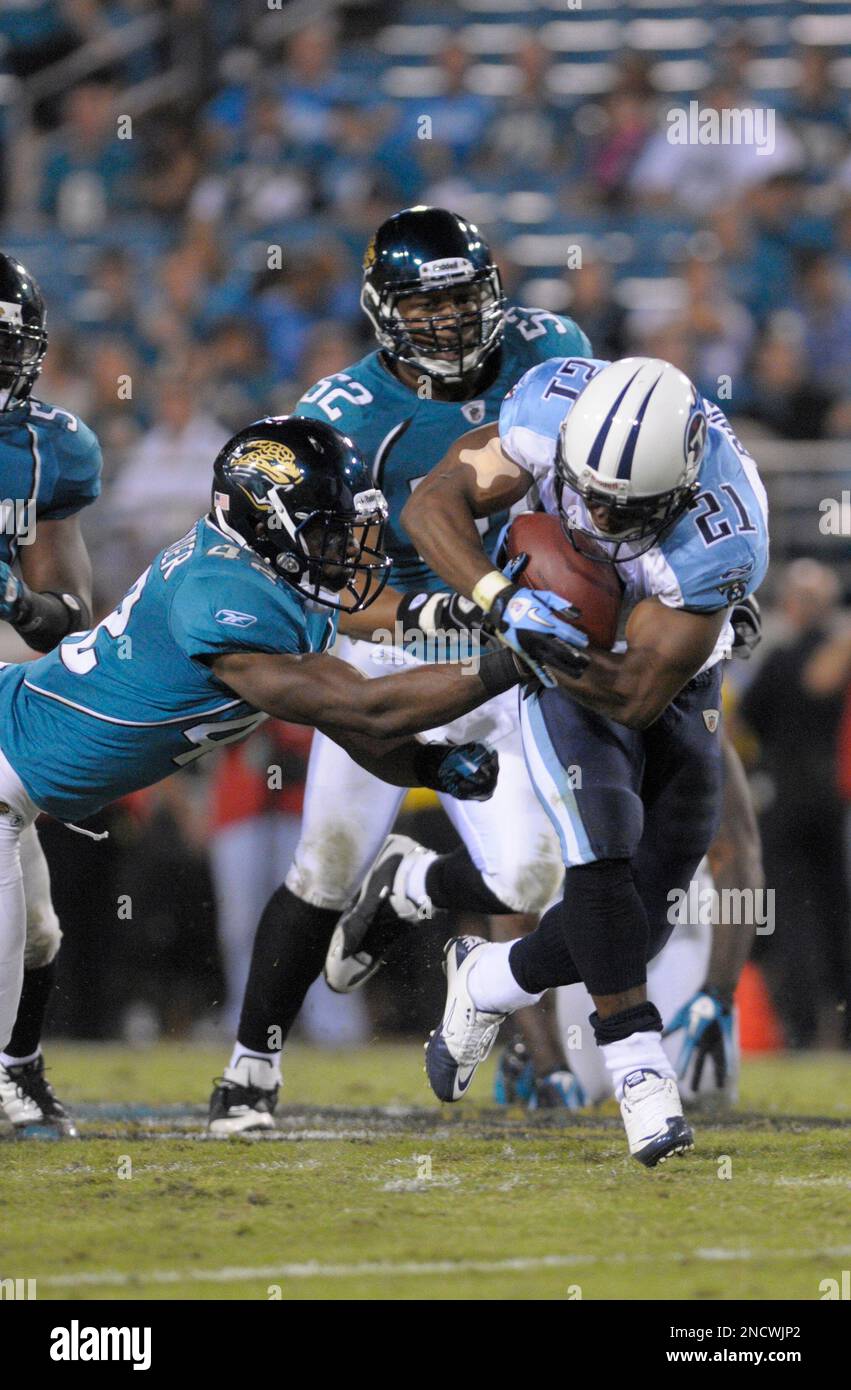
{"x": 708, "y": 1024}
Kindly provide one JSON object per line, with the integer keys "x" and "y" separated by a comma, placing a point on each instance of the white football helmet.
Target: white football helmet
{"x": 632, "y": 444}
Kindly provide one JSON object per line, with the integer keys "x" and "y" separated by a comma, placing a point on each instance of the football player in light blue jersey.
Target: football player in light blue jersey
{"x": 228, "y": 625}
{"x": 50, "y": 465}
{"x": 647, "y": 476}
{"x": 449, "y": 349}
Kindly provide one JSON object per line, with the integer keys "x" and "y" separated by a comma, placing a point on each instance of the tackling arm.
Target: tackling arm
{"x": 362, "y": 713}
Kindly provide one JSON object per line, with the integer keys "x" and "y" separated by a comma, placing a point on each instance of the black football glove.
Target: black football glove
{"x": 427, "y": 614}
{"x": 467, "y": 771}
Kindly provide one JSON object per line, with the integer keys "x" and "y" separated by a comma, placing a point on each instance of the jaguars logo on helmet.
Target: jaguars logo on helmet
{"x": 275, "y": 461}
{"x": 298, "y": 493}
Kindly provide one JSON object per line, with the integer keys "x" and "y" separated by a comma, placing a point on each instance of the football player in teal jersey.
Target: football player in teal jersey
{"x": 450, "y": 347}
{"x": 50, "y": 464}
{"x": 228, "y": 625}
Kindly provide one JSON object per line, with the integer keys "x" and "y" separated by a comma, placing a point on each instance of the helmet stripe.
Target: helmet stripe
{"x": 625, "y": 464}
{"x": 603, "y": 433}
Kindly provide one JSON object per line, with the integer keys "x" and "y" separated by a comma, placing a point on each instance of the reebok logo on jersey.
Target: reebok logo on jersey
{"x": 229, "y": 617}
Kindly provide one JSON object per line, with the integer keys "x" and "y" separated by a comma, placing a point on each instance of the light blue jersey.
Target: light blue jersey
{"x": 403, "y": 435}
{"x": 50, "y": 466}
{"x": 718, "y": 550}
{"x": 126, "y": 704}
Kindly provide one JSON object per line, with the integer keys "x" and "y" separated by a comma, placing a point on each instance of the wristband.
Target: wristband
{"x": 427, "y": 760}
{"x": 41, "y": 624}
{"x": 420, "y": 612}
{"x": 488, "y": 587}
{"x": 498, "y": 672}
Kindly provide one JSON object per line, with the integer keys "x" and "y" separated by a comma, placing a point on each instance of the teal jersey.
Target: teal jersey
{"x": 129, "y": 702}
{"x": 50, "y": 467}
{"x": 403, "y": 436}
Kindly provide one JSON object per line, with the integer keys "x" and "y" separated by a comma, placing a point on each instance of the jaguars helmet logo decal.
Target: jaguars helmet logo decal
{"x": 275, "y": 461}
{"x": 369, "y": 254}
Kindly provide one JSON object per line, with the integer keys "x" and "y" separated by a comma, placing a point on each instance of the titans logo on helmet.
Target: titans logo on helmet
{"x": 696, "y": 431}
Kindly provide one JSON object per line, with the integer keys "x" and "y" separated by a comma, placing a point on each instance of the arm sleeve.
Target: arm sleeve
{"x": 80, "y": 463}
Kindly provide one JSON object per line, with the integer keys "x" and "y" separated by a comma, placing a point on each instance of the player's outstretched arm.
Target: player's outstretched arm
{"x": 328, "y": 693}
{"x": 665, "y": 648}
{"x": 475, "y": 479}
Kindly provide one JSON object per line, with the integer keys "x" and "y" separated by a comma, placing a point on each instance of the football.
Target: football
{"x": 554, "y": 564}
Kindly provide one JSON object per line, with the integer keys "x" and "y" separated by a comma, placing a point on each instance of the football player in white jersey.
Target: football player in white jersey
{"x": 647, "y": 476}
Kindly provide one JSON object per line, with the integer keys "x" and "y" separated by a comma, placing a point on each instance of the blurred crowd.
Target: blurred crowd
{"x": 195, "y": 192}
{"x": 211, "y": 245}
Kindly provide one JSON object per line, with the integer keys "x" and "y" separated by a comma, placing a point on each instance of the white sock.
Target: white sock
{"x": 273, "y": 1058}
{"x": 638, "y": 1052}
{"x": 492, "y": 986}
{"x": 412, "y": 875}
{"x": 6, "y": 1060}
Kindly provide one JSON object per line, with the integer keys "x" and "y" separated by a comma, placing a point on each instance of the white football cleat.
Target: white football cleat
{"x": 244, "y": 1099}
{"x": 653, "y": 1115}
{"x": 466, "y": 1035}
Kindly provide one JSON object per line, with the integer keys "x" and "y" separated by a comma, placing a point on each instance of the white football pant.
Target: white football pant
{"x": 348, "y": 813}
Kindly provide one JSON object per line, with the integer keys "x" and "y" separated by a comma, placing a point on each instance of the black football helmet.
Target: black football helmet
{"x": 431, "y": 252}
{"x": 298, "y": 492}
{"x": 23, "y": 335}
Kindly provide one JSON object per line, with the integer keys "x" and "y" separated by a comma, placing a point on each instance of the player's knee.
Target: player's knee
{"x": 614, "y": 822}
{"x": 326, "y": 870}
{"x": 43, "y": 938}
{"x": 530, "y": 885}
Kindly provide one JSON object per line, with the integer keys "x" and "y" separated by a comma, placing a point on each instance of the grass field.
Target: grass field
{"x": 368, "y": 1190}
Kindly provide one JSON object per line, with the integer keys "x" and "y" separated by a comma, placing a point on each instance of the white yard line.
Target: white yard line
{"x": 229, "y": 1274}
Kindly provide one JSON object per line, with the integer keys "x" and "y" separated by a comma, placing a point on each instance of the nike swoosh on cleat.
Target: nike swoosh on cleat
{"x": 461, "y": 1084}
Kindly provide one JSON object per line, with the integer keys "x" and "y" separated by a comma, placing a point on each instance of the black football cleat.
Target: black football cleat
{"x": 244, "y": 1099}
{"x": 28, "y": 1100}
